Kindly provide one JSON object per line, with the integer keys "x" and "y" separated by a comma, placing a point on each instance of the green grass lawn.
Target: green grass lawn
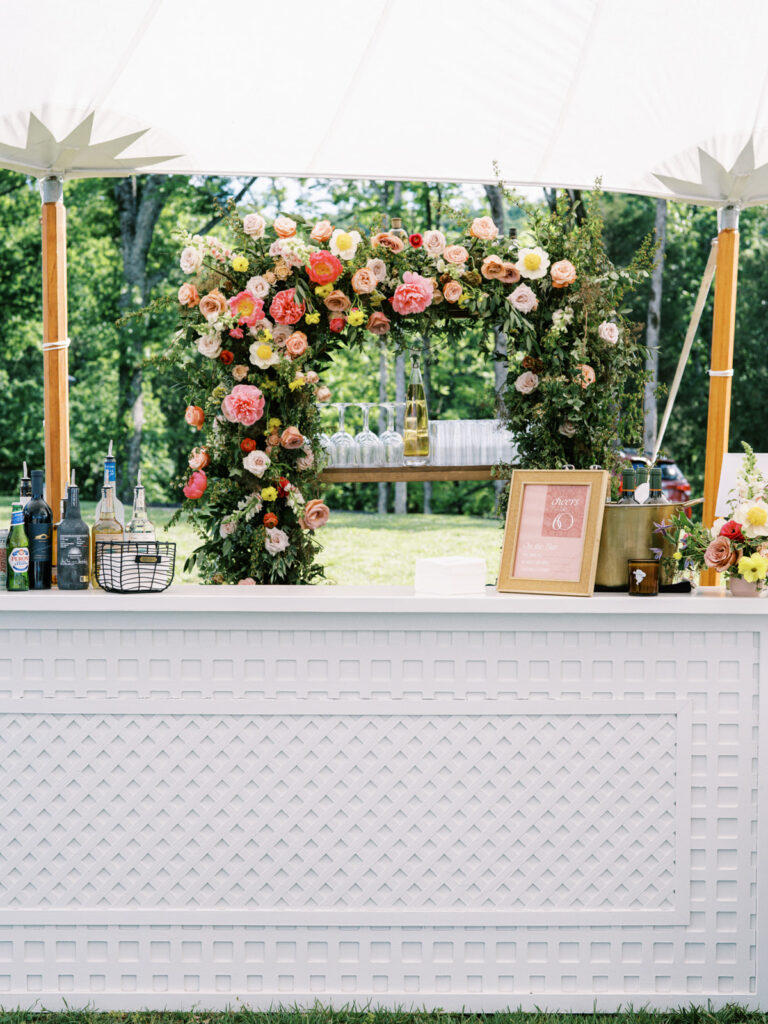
{"x": 357, "y": 547}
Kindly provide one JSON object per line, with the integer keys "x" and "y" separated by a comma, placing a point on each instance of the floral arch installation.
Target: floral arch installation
{"x": 261, "y": 317}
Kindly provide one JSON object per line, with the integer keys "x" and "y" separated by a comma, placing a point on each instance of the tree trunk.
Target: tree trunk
{"x": 383, "y": 380}
{"x": 139, "y": 204}
{"x": 652, "y": 331}
{"x": 401, "y": 489}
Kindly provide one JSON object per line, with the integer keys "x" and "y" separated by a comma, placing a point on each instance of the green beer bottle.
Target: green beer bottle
{"x": 17, "y": 546}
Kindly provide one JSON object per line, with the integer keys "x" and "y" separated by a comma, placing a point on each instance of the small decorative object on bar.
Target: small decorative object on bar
{"x": 552, "y": 532}
{"x": 130, "y": 568}
{"x": 643, "y": 577}
{"x": 736, "y": 546}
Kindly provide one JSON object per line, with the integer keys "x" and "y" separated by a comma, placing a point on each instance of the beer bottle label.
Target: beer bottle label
{"x": 40, "y": 549}
{"x": 18, "y": 559}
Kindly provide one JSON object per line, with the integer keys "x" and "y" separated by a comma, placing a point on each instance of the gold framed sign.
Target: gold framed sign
{"x": 552, "y": 533}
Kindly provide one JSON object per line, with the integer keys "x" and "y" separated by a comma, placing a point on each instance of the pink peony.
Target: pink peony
{"x": 285, "y": 309}
{"x": 244, "y": 404}
{"x": 523, "y": 299}
{"x": 196, "y": 485}
{"x": 413, "y": 296}
{"x": 246, "y": 308}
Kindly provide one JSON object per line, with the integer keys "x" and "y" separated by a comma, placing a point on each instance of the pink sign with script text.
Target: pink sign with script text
{"x": 550, "y": 538}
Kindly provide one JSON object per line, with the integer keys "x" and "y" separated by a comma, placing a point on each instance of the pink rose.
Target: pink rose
{"x": 337, "y": 302}
{"x": 285, "y": 309}
{"x": 209, "y": 345}
{"x": 257, "y": 462}
{"x": 247, "y": 582}
{"x": 284, "y": 226}
{"x": 483, "y": 228}
{"x": 305, "y": 462}
{"x": 413, "y": 296}
{"x": 281, "y": 334}
{"x": 526, "y": 383}
{"x": 254, "y": 225}
{"x": 276, "y": 541}
{"x": 452, "y": 291}
{"x": 188, "y": 295}
{"x": 322, "y": 231}
{"x": 364, "y": 281}
{"x": 191, "y": 260}
{"x": 315, "y": 514}
{"x": 434, "y": 242}
{"x": 392, "y": 242}
{"x": 492, "y": 268}
{"x": 323, "y": 394}
{"x": 455, "y": 254}
{"x": 311, "y": 377}
{"x": 291, "y": 438}
{"x": 562, "y": 273}
{"x": 196, "y": 485}
{"x": 198, "y": 458}
{"x": 378, "y": 268}
{"x": 296, "y": 345}
{"x": 608, "y": 332}
{"x": 378, "y": 323}
{"x": 523, "y": 299}
{"x": 240, "y": 372}
{"x": 244, "y": 404}
{"x": 227, "y": 528}
{"x": 258, "y": 287}
{"x": 719, "y": 554}
{"x": 510, "y": 274}
{"x": 586, "y": 376}
{"x": 213, "y": 305}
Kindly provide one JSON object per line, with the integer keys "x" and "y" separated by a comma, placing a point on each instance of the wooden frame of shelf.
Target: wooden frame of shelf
{"x": 408, "y": 474}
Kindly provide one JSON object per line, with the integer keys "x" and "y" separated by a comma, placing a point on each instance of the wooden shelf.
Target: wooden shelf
{"x": 408, "y": 474}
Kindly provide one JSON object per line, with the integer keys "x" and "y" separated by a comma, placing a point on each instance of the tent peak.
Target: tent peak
{"x": 742, "y": 185}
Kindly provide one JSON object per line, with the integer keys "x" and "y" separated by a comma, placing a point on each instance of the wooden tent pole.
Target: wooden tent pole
{"x": 721, "y": 363}
{"x": 55, "y": 342}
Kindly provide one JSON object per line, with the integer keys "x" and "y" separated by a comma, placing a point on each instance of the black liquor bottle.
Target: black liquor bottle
{"x": 38, "y": 522}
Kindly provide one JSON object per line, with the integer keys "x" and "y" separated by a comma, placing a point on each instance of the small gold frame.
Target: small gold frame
{"x": 596, "y": 481}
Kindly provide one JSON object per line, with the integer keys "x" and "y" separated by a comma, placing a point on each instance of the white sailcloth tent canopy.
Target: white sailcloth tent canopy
{"x": 659, "y": 98}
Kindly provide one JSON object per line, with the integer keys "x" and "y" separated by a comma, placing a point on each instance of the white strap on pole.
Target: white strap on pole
{"x": 693, "y": 326}
{"x": 50, "y": 345}
{"x": 720, "y": 373}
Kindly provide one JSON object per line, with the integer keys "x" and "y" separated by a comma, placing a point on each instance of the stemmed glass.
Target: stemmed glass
{"x": 325, "y": 442}
{"x": 344, "y": 447}
{"x": 393, "y": 443}
{"x": 370, "y": 450}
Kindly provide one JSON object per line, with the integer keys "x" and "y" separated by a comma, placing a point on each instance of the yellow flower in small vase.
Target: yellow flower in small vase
{"x": 753, "y": 568}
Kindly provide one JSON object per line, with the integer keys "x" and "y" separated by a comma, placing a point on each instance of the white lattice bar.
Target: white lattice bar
{"x": 345, "y": 794}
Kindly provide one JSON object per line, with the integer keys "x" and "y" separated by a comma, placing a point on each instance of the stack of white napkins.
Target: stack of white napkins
{"x": 454, "y": 574}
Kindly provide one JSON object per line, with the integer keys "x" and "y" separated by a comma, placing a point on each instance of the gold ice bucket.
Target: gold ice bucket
{"x": 628, "y": 533}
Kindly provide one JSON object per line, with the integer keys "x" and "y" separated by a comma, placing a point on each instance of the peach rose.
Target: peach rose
{"x": 492, "y": 268}
{"x": 273, "y": 441}
{"x": 387, "y": 241}
{"x": 562, "y": 273}
{"x": 296, "y": 345}
{"x": 281, "y": 334}
{"x": 284, "y": 227}
{"x": 455, "y": 254}
{"x": 586, "y": 376}
{"x": 364, "y": 281}
{"x": 322, "y": 231}
{"x": 305, "y": 462}
{"x": 719, "y": 554}
{"x": 213, "y": 305}
{"x": 378, "y": 268}
{"x": 323, "y": 394}
{"x": 434, "y": 242}
{"x": 240, "y": 372}
{"x": 484, "y": 229}
{"x": 378, "y": 323}
{"x": 311, "y": 377}
{"x": 510, "y": 274}
{"x": 291, "y": 438}
{"x": 188, "y": 295}
{"x": 254, "y": 225}
{"x": 452, "y": 291}
{"x": 194, "y": 416}
{"x": 315, "y": 514}
{"x": 198, "y": 458}
{"x": 526, "y": 383}
{"x": 337, "y": 302}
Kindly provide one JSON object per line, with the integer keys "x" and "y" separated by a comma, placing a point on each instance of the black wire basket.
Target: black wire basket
{"x": 130, "y": 567}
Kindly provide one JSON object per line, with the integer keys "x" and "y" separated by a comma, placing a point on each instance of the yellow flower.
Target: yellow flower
{"x": 269, "y": 494}
{"x": 677, "y": 556}
{"x": 753, "y": 567}
{"x": 294, "y": 384}
{"x": 463, "y": 299}
{"x": 273, "y": 424}
{"x": 757, "y": 516}
{"x": 312, "y": 318}
{"x": 323, "y": 291}
{"x": 355, "y": 317}
{"x": 265, "y": 334}
{"x": 240, "y": 264}
{"x": 267, "y": 385}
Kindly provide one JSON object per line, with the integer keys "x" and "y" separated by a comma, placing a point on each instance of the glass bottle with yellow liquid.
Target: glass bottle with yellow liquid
{"x": 416, "y": 425}
{"x": 106, "y": 528}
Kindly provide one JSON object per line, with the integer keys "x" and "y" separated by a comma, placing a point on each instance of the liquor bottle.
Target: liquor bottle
{"x": 398, "y": 229}
{"x": 17, "y": 546}
{"x": 73, "y": 544}
{"x": 416, "y": 425}
{"x": 139, "y": 528}
{"x": 110, "y": 478}
{"x": 38, "y": 523}
{"x": 25, "y": 487}
{"x": 657, "y": 496}
{"x": 56, "y": 525}
{"x": 106, "y": 528}
{"x": 627, "y": 487}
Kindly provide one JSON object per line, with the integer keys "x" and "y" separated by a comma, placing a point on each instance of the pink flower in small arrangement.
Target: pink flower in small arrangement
{"x": 196, "y": 485}
{"x": 562, "y": 273}
{"x": 413, "y": 296}
{"x": 247, "y": 582}
{"x": 291, "y": 438}
{"x": 246, "y": 308}
{"x": 188, "y": 295}
{"x": 378, "y": 323}
{"x": 483, "y": 228}
{"x": 284, "y": 226}
{"x": 322, "y": 231}
{"x": 523, "y": 299}
{"x": 324, "y": 267}
{"x": 194, "y": 416}
{"x": 244, "y": 404}
{"x": 337, "y": 324}
{"x": 285, "y": 309}
{"x": 316, "y": 514}
{"x": 296, "y": 345}
{"x": 720, "y": 555}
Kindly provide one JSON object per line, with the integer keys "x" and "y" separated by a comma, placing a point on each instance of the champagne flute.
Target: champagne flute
{"x": 392, "y": 441}
{"x": 344, "y": 447}
{"x": 370, "y": 450}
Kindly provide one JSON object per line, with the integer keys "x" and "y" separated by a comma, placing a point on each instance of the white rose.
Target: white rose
{"x": 227, "y": 529}
{"x": 258, "y": 286}
{"x": 254, "y": 225}
{"x": 191, "y": 260}
{"x": 523, "y": 299}
{"x": 210, "y": 345}
{"x": 434, "y": 242}
{"x": 378, "y": 268}
{"x": 608, "y": 332}
{"x": 257, "y": 463}
{"x": 526, "y": 383}
{"x": 276, "y": 541}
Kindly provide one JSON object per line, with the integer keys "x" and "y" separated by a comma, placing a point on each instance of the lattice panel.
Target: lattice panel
{"x": 566, "y": 808}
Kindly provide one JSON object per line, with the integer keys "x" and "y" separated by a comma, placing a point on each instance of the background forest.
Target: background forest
{"x": 122, "y": 253}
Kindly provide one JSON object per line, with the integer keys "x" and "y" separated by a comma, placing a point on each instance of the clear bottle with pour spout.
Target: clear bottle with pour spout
{"x": 139, "y": 529}
{"x": 110, "y": 480}
{"x": 106, "y": 529}
{"x": 416, "y": 426}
